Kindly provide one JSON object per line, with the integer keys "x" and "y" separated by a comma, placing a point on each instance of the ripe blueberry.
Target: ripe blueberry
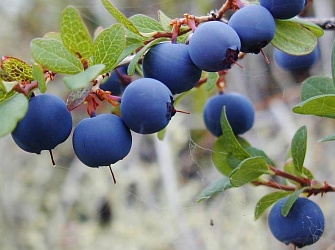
{"x": 101, "y": 140}
{"x": 239, "y": 110}
{"x": 294, "y": 63}
{"x": 114, "y": 83}
{"x": 171, "y": 64}
{"x": 255, "y": 26}
{"x": 46, "y": 124}
{"x": 304, "y": 224}
{"x": 147, "y": 106}
{"x": 214, "y": 46}
{"x": 283, "y": 9}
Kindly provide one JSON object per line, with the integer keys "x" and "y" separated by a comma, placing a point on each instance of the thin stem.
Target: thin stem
{"x": 114, "y": 179}
{"x": 25, "y": 88}
{"x": 303, "y": 181}
{"x": 229, "y": 4}
{"x": 52, "y": 158}
{"x": 308, "y": 190}
{"x": 273, "y": 184}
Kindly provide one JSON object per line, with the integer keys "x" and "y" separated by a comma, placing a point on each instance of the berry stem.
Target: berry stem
{"x": 265, "y": 57}
{"x": 52, "y": 158}
{"x": 229, "y": 4}
{"x": 112, "y": 173}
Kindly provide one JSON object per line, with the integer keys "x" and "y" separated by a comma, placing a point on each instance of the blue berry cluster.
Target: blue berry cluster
{"x": 169, "y": 68}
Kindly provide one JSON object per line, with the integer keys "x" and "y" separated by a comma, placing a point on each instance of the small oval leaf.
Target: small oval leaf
{"x": 322, "y": 105}
{"x": 290, "y": 201}
{"x": 214, "y": 189}
{"x": 39, "y": 77}
{"x": 120, "y": 17}
{"x": 316, "y": 85}
{"x": 298, "y": 148}
{"x": 74, "y": 34}
{"x": 108, "y": 46}
{"x": 14, "y": 109}
{"x": 315, "y": 29}
{"x": 146, "y": 24}
{"x": 249, "y": 170}
{"x": 227, "y": 151}
{"x": 165, "y": 21}
{"x": 55, "y": 57}
{"x": 212, "y": 78}
{"x": 83, "y": 79}
{"x": 17, "y": 69}
{"x": 138, "y": 56}
{"x": 267, "y": 200}
{"x": 293, "y": 38}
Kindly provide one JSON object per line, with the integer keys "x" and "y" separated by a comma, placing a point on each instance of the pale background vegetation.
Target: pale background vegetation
{"x": 153, "y": 207}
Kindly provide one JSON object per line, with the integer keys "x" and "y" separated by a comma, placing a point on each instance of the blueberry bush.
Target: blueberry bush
{"x": 171, "y": 58}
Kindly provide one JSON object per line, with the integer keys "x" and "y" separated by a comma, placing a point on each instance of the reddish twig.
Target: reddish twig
{"x": 25, "y": 88}
{"x": 304, "y": 182}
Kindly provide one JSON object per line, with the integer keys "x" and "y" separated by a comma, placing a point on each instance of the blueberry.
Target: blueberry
{"x": 101, "y": 140}
{"x": 214, "y": 46}
{"x": 147, "y": 106}
{"x": 239, "y": 110}
{"x": 304, "y": 224}
{"x": 294, "y": 63}
{"x": 46, "y": 124}
{"x": 171, "y": 64}
{"x": 114, "y": 83}
{"x": 255, "y": 26}
{"x": 284, "y": 9}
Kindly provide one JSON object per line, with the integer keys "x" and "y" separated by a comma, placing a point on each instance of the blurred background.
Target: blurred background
{"x": 153, "y": 206}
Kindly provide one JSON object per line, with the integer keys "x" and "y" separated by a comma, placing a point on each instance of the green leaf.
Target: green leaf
{"x": 249, "y": 170}
{"x": 14, "y": 109}
{"x": 83, "y": 79}
{"x": 333, "y": 61}
{"x": 267, "y": 200}
{"x": 227, "y": 148}
{"x": 2, "y": 90}
{"x": 5, "y": 76}
{"x": 53, "y": 35}
{"x": 314, "y": 86}
{"x": 39, "y": 77}
{"x": 258, "y": 152}
{"x": 74, "y": 34}
{"x": 290, "y": 201}
{"x": 214, "y": 189}
{"x": 315, "y": 29}
{"x": 55, "y": 57}
{"x": 161, "y": 134}
{"x": 147, "y": 26}
{"x": 305, "y": 173}
{"x": 299, "y": 147}
{"x": 138, "y": 56}
{"x": 77, "y": 97}
{"x": 7, "y": 87}
{"x": 128, "y": 51}
{"x": 322, "y": 105}
{"x": 108, "y": 46}
{"x": 328, "y": 138}
{"x": 212, "y": 79}
{"x": 293, "y": 38}
{"x": 228, "y": 134}
{"x": 165, "y": 21}
{"x": 16, "y": 69}
{"x": 120, "y": 17}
